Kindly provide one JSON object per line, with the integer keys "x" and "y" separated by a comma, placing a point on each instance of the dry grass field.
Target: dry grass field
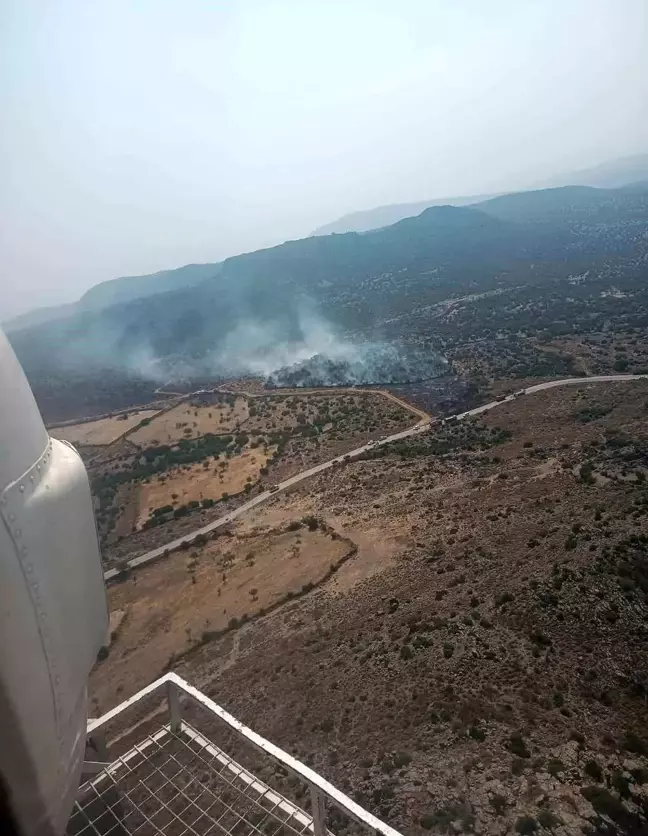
{"x": 189, "y": 421}
{"x": 209, "y": 479}
{"x": 301, "y": 429}
{"x": 101, "y": 432}
{"x": 252, "y": 385}
{"x": 166, "y": 607}
{"x": 287, "y": 411}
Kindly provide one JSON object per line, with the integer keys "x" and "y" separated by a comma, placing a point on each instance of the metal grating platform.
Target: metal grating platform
{"x": 176, "y": 780}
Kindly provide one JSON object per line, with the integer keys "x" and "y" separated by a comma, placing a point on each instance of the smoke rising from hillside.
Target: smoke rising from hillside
{"x": 261, "y": 348}
{"x": 296, "y": 346}
{"x": 309, "y": 352}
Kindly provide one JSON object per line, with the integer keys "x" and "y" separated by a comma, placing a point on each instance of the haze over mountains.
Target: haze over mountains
{"x": 608, "y": 175}
{"x": 390, "y": 214}
{"x": 265, "y": 311}
{"x": 611, "y": 174}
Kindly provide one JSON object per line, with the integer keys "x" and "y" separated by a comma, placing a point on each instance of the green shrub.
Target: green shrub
{"x": 526, "y": 825}
{"x": 165, "y": 509}
{"x": 555, "y": 767}
{"x": 402, "y": 759}
{"x": 620, "y": 783}
{"x": 517, "y": 746}
{"x": 606, "y": 804}
{"x": 593, "y": 770}
{"x": 441, "y": 820}
{"x": 477, "y": 733}
{"x": 387, "y": 766}
{"x": 518, "y": 766}
{"x": 633, "y": 743}
{"x": 311, "y": 522}
{"x": 499, "y": 804}
{"x": 547, "y": 819}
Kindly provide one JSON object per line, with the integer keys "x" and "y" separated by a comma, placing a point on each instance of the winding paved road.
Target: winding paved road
{"x": 418, "y": 428}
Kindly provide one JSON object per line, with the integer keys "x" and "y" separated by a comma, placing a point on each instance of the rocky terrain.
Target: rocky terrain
{"x": 480, "y": 664}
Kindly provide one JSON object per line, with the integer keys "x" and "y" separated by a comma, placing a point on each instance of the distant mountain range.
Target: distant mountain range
{"x": 38, "y": 316}
{"x": 267, "y": 309}
{"x": 621, "y": 172}
{"x": 114, "y": 291}
{"x": 609, "y": 175}
{"x": 386, "y": 215}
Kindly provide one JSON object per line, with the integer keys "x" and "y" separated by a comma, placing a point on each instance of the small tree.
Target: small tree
{"x": 123, "y": 569}
{"x": 526, "y": 825}
{"x": 311, "y": 522}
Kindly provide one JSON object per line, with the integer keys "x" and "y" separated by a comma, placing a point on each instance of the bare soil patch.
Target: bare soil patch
{"x": 170, "y": 604}
{"x": 379, "y": 540}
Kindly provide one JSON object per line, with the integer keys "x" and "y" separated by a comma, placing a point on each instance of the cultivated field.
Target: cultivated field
{"x": 101, "y": 432}
{"x": 191, "y": 421}
{"x": 168, "y": 607}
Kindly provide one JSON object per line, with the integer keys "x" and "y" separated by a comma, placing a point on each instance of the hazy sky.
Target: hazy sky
{"x": 144, "y": 134}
